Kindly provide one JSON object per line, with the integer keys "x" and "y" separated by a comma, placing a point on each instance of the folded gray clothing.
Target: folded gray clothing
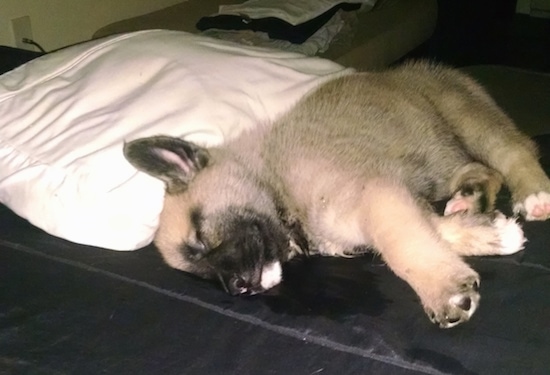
{"x": 276, "y": 28}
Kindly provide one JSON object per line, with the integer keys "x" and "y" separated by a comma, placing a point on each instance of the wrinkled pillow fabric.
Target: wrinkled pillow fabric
{"x": 66, "y": 115}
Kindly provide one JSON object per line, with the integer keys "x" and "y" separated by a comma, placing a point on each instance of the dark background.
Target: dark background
{"x": 471, "y": 32}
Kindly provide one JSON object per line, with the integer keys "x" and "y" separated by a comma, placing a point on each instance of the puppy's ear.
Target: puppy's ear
{"x": 169, "y": 159}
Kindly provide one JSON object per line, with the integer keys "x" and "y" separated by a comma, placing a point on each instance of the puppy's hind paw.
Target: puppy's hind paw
{"x": 465, "y": 201}
{"x": 535, "y": 207}
{"x": 459, "y": 203}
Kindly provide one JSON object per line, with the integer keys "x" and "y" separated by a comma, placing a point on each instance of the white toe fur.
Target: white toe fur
{"x": 535, "y": 202}
{"x": 511, "y": 235}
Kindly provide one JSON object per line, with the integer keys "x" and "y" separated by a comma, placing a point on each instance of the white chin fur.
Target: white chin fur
{"x": 272, "y": 274}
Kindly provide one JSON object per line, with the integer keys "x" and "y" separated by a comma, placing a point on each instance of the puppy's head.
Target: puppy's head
{"x": 218, "y": 221}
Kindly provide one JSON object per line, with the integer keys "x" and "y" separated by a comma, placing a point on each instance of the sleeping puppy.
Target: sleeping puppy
{"x": 354, "y": 165}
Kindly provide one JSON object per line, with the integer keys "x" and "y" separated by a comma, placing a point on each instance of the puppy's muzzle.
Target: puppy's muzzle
{"x": 237, "y": 285}
{"x": 241, "y": 285}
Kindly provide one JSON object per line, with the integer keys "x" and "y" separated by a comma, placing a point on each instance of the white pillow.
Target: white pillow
{"x": 65, "y": 117}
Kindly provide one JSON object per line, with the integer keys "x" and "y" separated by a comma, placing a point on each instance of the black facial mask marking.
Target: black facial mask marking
{"x": 250, "y": 241}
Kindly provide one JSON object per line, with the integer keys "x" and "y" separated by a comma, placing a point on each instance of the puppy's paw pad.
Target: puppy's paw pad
{"x": 459, "y": 307}
{"x": 535, "y": 206}
{"x": 510, "y": 233}
{"x": 459, "y": 203}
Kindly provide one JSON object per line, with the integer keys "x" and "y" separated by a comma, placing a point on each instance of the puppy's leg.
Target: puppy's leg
{"x": 480, "y": 234}
{"x": 474, "y": 189}
{"x": 403, "y": 233}
{"x": 491, "y": 137}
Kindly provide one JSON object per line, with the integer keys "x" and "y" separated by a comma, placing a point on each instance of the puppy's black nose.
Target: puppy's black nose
{"x": 237, "y": 285}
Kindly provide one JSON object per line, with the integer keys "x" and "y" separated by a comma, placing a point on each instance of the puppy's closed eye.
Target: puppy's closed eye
{"x": 195, "y": 248}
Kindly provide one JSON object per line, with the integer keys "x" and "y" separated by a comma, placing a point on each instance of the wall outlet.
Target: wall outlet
{"x": 22, "y": 29}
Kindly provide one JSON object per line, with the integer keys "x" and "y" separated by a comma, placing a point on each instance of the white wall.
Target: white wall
{"x": 58, "y": 23}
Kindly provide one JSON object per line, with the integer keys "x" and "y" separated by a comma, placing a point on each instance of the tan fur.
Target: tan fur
{"x": 354, "y": 164}
{"x": 173, "y": 226}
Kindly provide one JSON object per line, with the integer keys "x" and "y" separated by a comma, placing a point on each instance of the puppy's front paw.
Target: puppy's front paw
{"x": 535, "y": 207}
{"x": 510, "y": 234}
{"x": 455, "y": 305}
